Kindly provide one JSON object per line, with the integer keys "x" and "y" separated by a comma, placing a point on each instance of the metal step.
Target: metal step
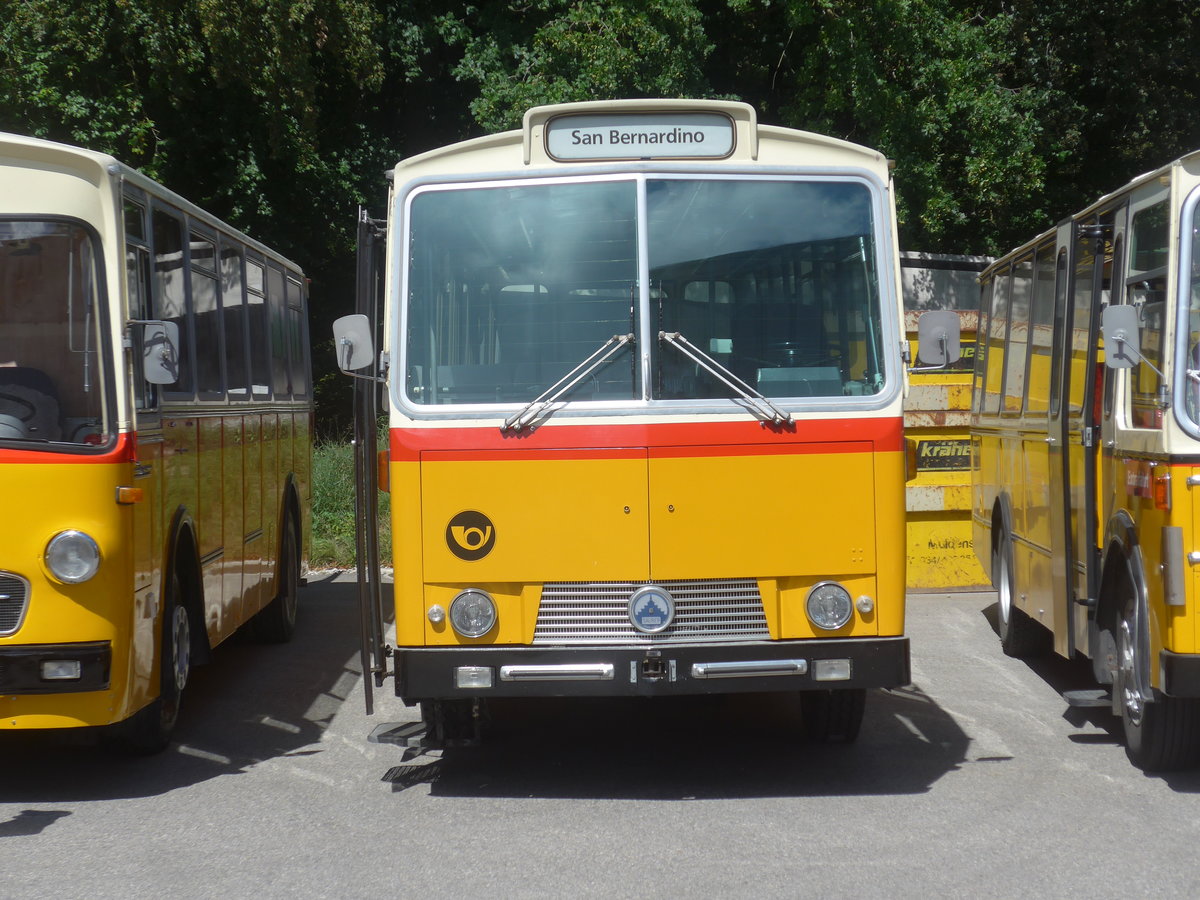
{"x": 1092, "y": 697}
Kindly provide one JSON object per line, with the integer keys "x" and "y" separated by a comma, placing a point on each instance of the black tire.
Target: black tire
{"x": 1020, "y": 636}
{"x": 450, "y": 722}
{"x": 149, "y": 730}
{"x": 1162, "y": 734}
{"x": 276, "y": 622}
{"x": 833, "y": 717}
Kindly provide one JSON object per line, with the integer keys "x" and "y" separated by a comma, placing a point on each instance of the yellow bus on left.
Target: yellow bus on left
{"x": 155, "y": 442}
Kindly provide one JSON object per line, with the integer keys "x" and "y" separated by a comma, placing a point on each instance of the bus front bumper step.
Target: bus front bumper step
{"x": 447, "y": 672}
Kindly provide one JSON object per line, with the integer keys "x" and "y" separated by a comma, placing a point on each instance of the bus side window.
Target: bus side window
{"x": 206, "y": 312}
{"x": 170, "y": 292}
{"x": 1041, "y": 327}
{"x": 997, "y": 335}
{"x": 233, "y": 314}
{"x": 1145, "y": 290}
{"x": 259, "y": 334}
{"x": 297, "y": 339}
{"x": 979, "y": 379}
{"x": 277, "y": 304}
{"x": 1018, "y": 335}
{"x": 137, "y": 277}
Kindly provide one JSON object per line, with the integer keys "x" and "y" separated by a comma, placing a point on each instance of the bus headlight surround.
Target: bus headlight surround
{"x": 829, "y": 606}
{"x": 472, "y": 613}
{"x": 72, "y": 556}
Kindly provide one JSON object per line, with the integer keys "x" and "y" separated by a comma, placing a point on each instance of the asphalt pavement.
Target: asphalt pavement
{"x": 977, "y": 780}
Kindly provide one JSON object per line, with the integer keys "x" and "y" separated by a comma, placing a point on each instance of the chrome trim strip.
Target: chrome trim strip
{"x": 750, "y": 668}
{"x": 560, "y": 672}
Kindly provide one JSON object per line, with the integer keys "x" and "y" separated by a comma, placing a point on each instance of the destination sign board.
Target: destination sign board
{"x": 666, "y": 135}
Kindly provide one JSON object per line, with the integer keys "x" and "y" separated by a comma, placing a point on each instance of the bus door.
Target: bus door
{"x": 147, "y": 517}
{"x": 369, "y": 292}
{"x": 1074, "y": 426}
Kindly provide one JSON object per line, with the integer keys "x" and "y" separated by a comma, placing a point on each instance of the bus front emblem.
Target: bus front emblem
{"x": 470, "y": 535}
{"x": 651, "y": 609}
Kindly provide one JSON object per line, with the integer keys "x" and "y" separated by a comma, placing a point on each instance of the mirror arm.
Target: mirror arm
{"x": 945, "y": 342}
{"x": 377, "y": 379}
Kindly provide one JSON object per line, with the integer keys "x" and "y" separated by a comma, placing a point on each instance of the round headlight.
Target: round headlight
{"x": 72, "y": 556}
{"x": 829, "y": 606}
{"x": 472, "y": 613}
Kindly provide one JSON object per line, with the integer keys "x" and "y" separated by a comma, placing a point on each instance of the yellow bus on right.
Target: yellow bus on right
{"x": 1085, "y": 453}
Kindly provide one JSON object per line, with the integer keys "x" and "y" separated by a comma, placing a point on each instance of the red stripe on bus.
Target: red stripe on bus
{"x": 122, "y": 452}
{"x": 665, "y": 439}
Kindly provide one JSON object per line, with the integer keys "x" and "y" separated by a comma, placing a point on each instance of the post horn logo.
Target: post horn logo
{"x": 470, "y": 535}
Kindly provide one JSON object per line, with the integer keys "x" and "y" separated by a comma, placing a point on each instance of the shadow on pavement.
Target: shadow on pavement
{"x": 699, "y": 748}
{"x": 251, "y": 703}
{"x": 1103, "y": 726}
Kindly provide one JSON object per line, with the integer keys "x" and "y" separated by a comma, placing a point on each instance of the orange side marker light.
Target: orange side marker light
{"x": 127, "y": 496}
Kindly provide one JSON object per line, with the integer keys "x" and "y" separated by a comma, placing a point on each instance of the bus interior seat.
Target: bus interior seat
{"x": 28, "y": 397}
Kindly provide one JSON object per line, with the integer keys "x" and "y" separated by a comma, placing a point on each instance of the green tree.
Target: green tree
{"x": 523, "y": 54}
{"x": 923, "y": 81}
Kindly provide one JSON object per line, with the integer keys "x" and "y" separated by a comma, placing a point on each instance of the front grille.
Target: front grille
{"x": 580, "y": 613}
{"x": 14, "y": 597}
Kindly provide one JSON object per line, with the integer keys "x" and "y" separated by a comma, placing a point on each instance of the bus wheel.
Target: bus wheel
{"x": 832, "y": 717}
{"x": 452, "y": 722}
{"x": 1020, "y": 635}
{"x": 1161, "y": 734}
{"x": 149, "y": 730}
{"x": 276, "y": 623}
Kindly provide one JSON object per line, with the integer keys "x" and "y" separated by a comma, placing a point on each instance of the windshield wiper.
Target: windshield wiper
{"x": 535, "y": 407}
{"x": 756, "y": 402}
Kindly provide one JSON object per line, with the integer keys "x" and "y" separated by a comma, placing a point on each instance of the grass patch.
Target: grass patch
{"x": 333, "y": 509}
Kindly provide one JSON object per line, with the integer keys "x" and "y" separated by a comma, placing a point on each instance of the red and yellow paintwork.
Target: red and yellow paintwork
{"x": 224, "y": 473}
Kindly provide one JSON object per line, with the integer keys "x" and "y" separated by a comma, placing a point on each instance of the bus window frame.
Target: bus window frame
{"x": 1027, "y": 258}
{"x": 146, "y": 396}
{"x": 1135, "y": 204}
{"x": 213, "y": 274}
{"x": 224, "y": 243}
{"x": 1178, "y": 364}
{"x": 1119, "y": 277}
{"x": 1043, "y": 253}
{"x": 1001, "y": 281}
{"x": 295, "y": 303}
{"x": 1062, "y": 296}
{"x": 987, "y": 287}
{"x": 107, "y": 382}
{"x": 400, "y": 234}
{"x": 172, "y": 393}
{"x": 263, "y": 353}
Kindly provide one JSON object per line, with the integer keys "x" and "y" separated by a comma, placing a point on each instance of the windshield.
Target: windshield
{"x": 510, "y": 288}
{"x": 50, "y": 378}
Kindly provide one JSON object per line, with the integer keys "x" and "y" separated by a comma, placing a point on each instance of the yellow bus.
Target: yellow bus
{"x": 643, "y": 368}
{"x": 155, "y": 423}
{"x": 1086, "y": 453}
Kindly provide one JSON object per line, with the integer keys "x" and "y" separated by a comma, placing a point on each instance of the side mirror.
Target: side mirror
{"x": 1122, "y": 340}
{"x": 939, "y": 337}
{"x": 352, "y": 343}
{"x": 160, "y": 352}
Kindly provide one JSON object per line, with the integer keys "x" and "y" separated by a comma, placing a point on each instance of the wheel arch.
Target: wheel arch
{"x": 183, "y": 558}
{"x": 1122, "y": 570}
{"x": 289, "y": 508}
{"x": 1002, "y": 519}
